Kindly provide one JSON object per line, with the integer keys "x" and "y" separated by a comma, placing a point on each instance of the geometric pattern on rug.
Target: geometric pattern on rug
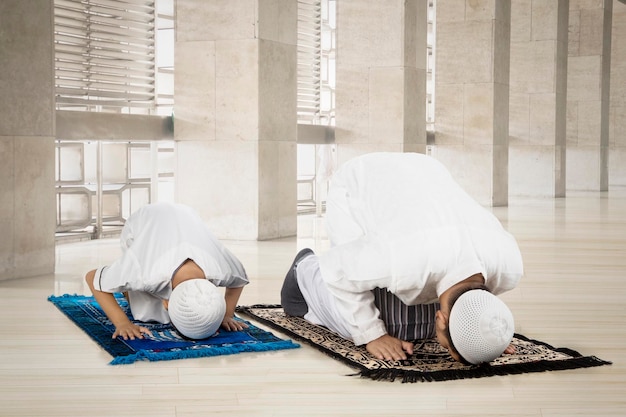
{"x": 429, "y": 362}
{"x": 165, "y": 343}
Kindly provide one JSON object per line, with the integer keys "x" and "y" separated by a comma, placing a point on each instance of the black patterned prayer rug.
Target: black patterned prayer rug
{"x": 429, "y": 362}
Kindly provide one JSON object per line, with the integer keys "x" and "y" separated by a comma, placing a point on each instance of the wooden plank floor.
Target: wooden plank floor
{"x": 573, "y": 295}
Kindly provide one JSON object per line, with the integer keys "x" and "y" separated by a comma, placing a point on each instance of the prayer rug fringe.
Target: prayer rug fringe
{"x": 480, "y": 371}
{"x": 202, "y": 353}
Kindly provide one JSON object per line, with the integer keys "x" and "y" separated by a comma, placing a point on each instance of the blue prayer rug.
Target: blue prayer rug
{"x": 165, "y": 343}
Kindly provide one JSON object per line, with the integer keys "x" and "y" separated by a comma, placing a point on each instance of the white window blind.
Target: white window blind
{"x": 104, "y": 54}
{"x": 309, "y": 60}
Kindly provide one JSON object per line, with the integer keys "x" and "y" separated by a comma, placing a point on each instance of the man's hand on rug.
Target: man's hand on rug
{"x": 130, "y": 331}
{"x": 232, "y": 325}
{"x": 389, "y": 348}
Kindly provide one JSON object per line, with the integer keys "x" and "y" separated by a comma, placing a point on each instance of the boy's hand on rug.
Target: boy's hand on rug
{"x": 389, "y": 348}
{"x": 510, "y": 350}
{"x": 130, "y": 331}
{"x": 232, "y": 325}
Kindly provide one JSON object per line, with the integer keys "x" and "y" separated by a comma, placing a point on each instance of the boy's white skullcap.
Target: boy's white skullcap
{"x": 196, "y": 308}
{"x": 481, "y": 326}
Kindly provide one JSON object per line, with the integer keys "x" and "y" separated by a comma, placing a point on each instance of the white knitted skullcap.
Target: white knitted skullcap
{"x": 196, "y": 308}
{"x": 481, "y": 326}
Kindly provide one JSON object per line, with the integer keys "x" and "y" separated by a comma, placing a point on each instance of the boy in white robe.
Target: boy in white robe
{"x": 165, "y": 246}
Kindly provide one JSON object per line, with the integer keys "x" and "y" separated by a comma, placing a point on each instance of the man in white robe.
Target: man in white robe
{"x": 398, "y": 221}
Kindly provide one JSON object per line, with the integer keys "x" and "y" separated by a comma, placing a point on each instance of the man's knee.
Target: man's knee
{"x": 291, "y": 297}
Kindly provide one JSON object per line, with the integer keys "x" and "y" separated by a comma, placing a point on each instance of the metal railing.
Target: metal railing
{"x": 100, "y": 183}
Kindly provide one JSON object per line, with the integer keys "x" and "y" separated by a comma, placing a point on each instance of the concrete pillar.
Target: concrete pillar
{"x": 588, "y": 89}
{"x": 472, "y": 95}
{"x": 617, "y": 123}
{"x": 538, "y": 97}
{"x": 27, "y": 217}
{"x": 381, "y": 77}
{"x": 235, "y": 115}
